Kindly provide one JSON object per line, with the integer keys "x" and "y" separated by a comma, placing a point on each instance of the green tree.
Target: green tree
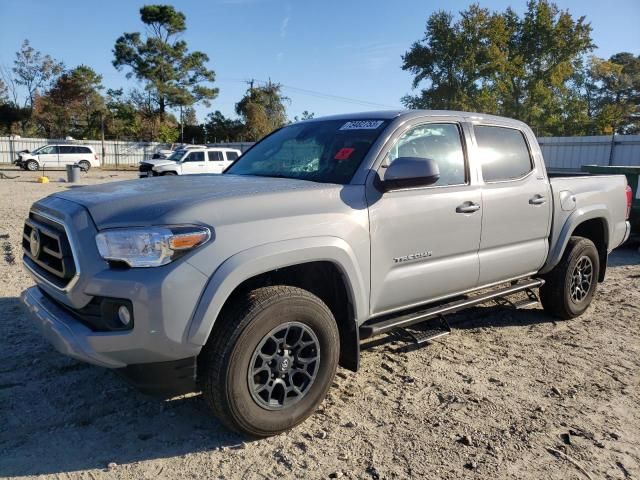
{"x": 121, "y": 118}
{"x": 73, "y": 106}
{"x": 222, "y": 129}
{"x": 498, "y": 62}
{"x": 617, "y": 93}
{"x": 305, "y": 115}
{"x": 34, "y": 71}
{"x": 173, "y": 75}
{"x": 262, "y": 110}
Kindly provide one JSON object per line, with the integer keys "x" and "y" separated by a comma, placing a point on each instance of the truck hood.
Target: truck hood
{"x": 159, "y": 162}
{"x": 199, "y": 199}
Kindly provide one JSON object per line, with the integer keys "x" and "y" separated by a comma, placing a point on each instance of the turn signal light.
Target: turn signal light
{"x": 184, "y": 241}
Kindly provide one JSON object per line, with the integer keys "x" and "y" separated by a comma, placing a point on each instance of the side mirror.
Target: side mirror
{"x": 407, "y": 172}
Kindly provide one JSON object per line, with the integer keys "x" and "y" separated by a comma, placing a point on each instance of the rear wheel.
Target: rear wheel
{"x": 271, "y": 360}
{"x": 570, "y": 286}
{"x": 84, "y": 165}
{"x": 32, "y": 166}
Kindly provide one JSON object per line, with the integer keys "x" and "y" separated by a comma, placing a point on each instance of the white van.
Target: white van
{"x": 58, "y": 156}
{"x": 190, "y": 160}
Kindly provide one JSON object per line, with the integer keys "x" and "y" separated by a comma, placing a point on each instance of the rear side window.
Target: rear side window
{"x": 83, "y": 150}
{"x": 232, "y": 155}
{"x": 195, "y": 157}
{"x": 64, "y": 149}
{"x": 215, "y": 156}
{"x": 504, "y": 154}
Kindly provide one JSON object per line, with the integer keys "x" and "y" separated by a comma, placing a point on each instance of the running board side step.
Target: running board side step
{"x": 374, "y": 328}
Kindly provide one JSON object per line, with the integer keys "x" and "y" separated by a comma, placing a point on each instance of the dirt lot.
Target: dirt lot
{"x": 493, "y": 400}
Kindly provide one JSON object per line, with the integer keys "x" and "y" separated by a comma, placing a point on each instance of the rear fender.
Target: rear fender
{"x": 577, "y": 217}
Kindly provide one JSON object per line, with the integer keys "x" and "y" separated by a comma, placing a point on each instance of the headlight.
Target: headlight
{"x": 149, "y": 247}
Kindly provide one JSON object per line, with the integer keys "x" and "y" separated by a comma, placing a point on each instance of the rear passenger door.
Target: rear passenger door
{"x": 67, "y": 155}
{"x": 194, "y": 163}
{"x": 516, "y": 204}
{"x": 216, "y": 162}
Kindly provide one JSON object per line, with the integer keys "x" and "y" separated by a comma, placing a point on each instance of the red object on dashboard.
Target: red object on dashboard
{"x": 344, "y": 153}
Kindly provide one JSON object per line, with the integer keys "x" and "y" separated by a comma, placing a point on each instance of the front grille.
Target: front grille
{"x": 145, "y": 167}
{"x": 47, "y": 248}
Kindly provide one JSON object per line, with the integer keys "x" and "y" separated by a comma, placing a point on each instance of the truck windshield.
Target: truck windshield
{"x": 326, "y": 151}
{"x": 177, "y": 155}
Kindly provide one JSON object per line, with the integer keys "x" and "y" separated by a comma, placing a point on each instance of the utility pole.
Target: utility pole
{"x": 181, "y": 126}
{"x": 102, "y": 158}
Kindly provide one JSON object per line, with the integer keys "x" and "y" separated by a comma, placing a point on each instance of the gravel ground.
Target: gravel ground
{"x": 510, "y": 394}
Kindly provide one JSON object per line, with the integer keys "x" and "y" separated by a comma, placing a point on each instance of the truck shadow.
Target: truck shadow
{"x": 60, "y": 415}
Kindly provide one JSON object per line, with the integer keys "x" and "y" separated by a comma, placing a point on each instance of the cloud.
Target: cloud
{"x": 375, "y": 56}
{"x": 285, "y": 23}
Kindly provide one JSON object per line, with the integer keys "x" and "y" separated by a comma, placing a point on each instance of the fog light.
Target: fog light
{"x": 124, "y": 315}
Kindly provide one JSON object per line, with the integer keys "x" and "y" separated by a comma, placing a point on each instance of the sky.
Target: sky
{"x": 331, "y": 56}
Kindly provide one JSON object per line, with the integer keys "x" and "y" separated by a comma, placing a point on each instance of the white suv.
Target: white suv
{"x": 52, "y": 156}
{"x": 189, "y": 161}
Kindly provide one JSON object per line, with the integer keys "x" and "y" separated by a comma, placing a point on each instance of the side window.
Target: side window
{"x": 504, "y": 154}
{"x": 66, "y": 150}
{"x": 195, "y": 157}
{"x": 438, "y": 141}
{"x": 83, "y": 150}
{"x": 48, "y": 150}
{"x": 215, "y": 156}
{"x": 231, "y": 156}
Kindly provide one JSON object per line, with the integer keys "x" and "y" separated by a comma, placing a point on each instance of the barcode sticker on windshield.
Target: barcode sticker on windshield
{"x": 362, "y": 125}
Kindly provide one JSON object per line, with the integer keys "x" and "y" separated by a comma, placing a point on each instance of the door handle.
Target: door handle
{"x": 467, "y": 207}
{"x": 537, "y": 200}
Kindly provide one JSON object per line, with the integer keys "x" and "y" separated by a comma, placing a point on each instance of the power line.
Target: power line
{"x": 317, "y": 94}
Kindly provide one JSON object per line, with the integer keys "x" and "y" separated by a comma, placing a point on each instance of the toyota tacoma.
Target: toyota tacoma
{"x": 254, "y": 285}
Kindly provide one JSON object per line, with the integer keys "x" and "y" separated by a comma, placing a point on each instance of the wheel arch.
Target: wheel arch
{"x": 327, "y": 267}
{"x": 589, "y": 223}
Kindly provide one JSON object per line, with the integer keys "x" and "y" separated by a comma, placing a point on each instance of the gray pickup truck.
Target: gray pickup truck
{"x": 254, "y": 285}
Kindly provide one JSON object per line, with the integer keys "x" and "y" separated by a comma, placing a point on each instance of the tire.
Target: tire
{"x": 563, "y": 295}
{"x": 247, "y": 327}
{"x": 168, "y": 173}
{"x": 84, "y": 165}
{"x": 32, "y": 166}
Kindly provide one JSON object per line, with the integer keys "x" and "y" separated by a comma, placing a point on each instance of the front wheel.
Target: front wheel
{"x": 570, "y": 286}
{"x": 32, "y": 166}
{"x": 271, "y": 360}
{"x": 164, "y": 174}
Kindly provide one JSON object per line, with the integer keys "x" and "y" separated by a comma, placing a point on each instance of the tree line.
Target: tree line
{"x": 40, "y": 96}
{"x": 537, "y": 68}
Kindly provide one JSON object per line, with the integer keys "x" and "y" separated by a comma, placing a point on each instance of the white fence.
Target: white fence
{"x": 560, "y": 153}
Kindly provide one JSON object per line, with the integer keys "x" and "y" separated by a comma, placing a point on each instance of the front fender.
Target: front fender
{"x": 264, "y": 258}
{"x": 571, "y": 223}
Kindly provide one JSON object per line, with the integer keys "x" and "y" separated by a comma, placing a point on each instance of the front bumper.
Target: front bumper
{"x": 67, "y": 335}
{"x": 71, "y": 338}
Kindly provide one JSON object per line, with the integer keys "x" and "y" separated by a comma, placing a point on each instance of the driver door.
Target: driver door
{"x": 194, "y": 163}
{"x": 425, "y": 240}
{"x": 48, "y": 156}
